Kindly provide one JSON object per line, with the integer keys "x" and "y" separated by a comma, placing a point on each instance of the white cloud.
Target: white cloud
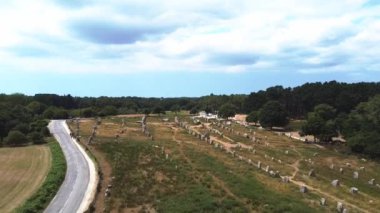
{"x": 289, "y": 35}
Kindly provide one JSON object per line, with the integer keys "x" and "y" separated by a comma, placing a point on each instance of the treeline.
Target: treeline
{"x": 271, "y": 107}
{"x": 300, "y": 100}
{"x": 21, "y": 124}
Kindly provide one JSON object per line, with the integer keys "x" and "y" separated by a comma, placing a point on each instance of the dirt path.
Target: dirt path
{"x": 23, "y": 170}
{"x": 295, "y": 166}
{"x": 327, "y": 195}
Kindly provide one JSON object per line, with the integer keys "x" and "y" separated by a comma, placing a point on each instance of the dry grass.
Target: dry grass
{"x": 23, "y": 169}
{"x": 187, "y": 151}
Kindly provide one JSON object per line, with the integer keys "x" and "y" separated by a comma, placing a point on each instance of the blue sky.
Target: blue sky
{"x": 184, "y": 48}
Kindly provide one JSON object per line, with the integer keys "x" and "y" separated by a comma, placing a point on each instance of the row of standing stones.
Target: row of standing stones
{"x": 284, "y": 179}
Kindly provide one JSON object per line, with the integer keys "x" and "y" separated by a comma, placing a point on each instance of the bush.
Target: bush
{"x": 253, "y": 117}
{"x": 36, "y": 138}
{"x": 15, "y": 138}
{"x": 22, "y": 127}
{"x": 273, "y": 114}
{"x": 108, "y": 110}
{"x": 88, "y": 113}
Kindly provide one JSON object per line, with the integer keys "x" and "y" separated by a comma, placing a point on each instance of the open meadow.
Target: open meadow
{"x": 22, "y": 171}
{"x": 195, "y": 165}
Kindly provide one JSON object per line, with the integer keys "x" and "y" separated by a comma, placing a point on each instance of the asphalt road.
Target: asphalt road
{"x": 73, "y": 192}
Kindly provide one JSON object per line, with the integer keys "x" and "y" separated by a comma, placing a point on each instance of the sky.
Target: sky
{"x": 176, "y": 48}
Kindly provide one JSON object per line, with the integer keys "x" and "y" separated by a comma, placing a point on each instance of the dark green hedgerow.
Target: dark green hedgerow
{"x": 39, "y": 201}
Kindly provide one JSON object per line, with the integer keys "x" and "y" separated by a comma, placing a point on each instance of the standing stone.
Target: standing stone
{"x": 354, "y": 190}
{"x": 332, "y": 166}
{"x": 285, "y": 179}
{"x": 356, "y": 175}
{"x": 259, "y": 164}
{"x": 371, "y": 182}
{"x": 303, "y": 189}
{"x": 323, "y": 201}
{"x": 311, "y": 173}
{"x": 341, "y": 170}
{"x": 335, "y": 183}
{"x": 143, "y": 120}
{"x": 267, "y": 169}
{"x": 339, "y": 207}
{"x": 286, "y": 152}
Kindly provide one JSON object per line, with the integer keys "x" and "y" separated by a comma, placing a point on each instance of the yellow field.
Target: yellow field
{"x": 22, "y": 171}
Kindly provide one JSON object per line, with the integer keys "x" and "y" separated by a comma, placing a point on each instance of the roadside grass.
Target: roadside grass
{"x": 41, "y": 199}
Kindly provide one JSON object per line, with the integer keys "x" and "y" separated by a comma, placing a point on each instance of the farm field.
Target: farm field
{"x": 209, "y": 166}
{"x": 23, "y": 170}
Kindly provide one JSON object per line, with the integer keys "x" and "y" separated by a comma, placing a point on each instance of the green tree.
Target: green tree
{"x": 194, "y": 110}
{"x": 108, "y": 110}
{"x": 158, "y": 110}
{"x": 36, "y": 137}
{"x": 362, "y": 128}
{"x": 22, "y": 127}
{"x": 227, "y": 110}
{"x": 49, "y": 113}
{"x": 273, "y": 114}
{"x": 15, "y": 138}
{"x": 321, "y": 123}
{"x": 253, "y": 117}
{"x": 88, "y": 112}
{"x": 36, "y": 107}
{"x": 61, "y": 114}
{"x": 175, "y": 108}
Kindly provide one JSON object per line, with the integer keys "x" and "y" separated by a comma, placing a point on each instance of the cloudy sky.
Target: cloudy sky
{"x": 184, "y": 47}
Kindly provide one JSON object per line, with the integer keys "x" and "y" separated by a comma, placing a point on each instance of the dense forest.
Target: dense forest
{"x": 330, "y": 109}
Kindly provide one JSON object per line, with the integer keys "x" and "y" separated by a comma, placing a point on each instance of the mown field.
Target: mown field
{"x": 22, "y": 171}
{"x": 179, "y": 172}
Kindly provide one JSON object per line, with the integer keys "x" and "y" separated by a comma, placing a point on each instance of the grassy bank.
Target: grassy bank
{"x": 39, "y": 201}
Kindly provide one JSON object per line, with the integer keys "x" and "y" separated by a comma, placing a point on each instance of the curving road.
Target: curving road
{"x": 78, "y": 188}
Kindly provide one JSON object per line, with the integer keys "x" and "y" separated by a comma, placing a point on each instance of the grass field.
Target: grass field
{"x": 42, "y": 197}
{"x": 178, "y": 172}
{"x": 22, "y": 171}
